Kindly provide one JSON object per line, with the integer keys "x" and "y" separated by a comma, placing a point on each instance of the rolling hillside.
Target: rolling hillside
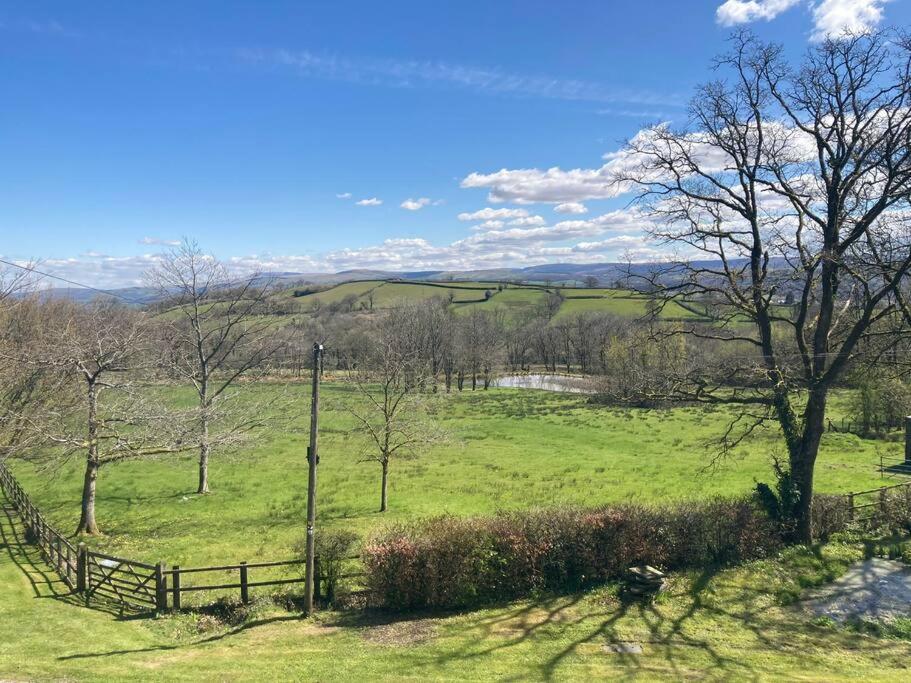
{"x": 464, "y": 296}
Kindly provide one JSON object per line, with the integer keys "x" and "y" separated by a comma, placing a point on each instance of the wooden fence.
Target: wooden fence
{"x": 142, "y": 587}
{"x": 862, "y": 502}
{"x": 56, "y": 549}
{"x": 875, "y": 425}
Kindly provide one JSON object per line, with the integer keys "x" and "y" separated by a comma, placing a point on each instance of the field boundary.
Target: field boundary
{"x": 139, "y": 586}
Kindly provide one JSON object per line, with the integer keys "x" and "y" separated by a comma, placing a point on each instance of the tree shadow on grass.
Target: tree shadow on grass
{"x": 183, "y": 646}
{"x": 714, "y": 624}
{"x": 44, "y": 581}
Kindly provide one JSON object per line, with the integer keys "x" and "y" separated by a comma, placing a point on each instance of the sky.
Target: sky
{"x": 327, "y": 136}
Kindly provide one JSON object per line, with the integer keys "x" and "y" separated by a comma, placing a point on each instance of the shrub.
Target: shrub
{"x": 332, "y": 548}
{"x": 449, "y": 562}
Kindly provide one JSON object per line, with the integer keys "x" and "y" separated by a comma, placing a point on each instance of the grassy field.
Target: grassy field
{"x": 735, "y": 624}
{"x": 507, "y": 449}
{"x": 512, "y": 299}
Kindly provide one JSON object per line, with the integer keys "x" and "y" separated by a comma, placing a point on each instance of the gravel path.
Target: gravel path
{"x": 873, "y": 590}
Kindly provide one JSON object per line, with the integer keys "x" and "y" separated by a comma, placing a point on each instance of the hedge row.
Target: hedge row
{"x": 450, "y": 562}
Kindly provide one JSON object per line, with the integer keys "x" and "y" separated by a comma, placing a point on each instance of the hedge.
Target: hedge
{"x": 449, "y": 562}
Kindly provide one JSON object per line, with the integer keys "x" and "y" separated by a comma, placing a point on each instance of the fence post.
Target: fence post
{"x": 908, "y": 440}
{"x": 244, "y": 589}
{"x": 851, "y": 507}
{"x": 59, "y": 545}
{"x": 161, "y": 588}
{"x": 175, "y": 588}
{"x": 82, "y": 568}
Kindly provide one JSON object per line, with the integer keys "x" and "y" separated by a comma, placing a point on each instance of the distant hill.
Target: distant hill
{"x": 552, "y": 273}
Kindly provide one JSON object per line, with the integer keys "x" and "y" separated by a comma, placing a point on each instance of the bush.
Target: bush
{"x": 332, "y": 548}
{"x": 449, "y": 562}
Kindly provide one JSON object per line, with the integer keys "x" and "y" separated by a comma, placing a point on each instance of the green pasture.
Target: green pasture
{"x": 506, "y": 449}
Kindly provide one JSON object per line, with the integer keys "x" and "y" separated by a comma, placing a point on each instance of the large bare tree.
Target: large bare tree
{"x": 215, "y": 333}
{"x": 790, "y": 184}
{"x": 393, "y": 381}
{"x": 103, "y": 410}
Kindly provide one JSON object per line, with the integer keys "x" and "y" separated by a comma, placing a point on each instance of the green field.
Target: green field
{"x": 735, "y": 624}
{"x": 512, "y": 298}
{"x": 507, "y": 449}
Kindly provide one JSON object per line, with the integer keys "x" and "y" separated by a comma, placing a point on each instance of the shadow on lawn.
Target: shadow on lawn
{"x": 706, "y": 626}
{"x": 44, "y": 581}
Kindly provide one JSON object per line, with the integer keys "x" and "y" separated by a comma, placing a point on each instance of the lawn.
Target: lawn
{"x": 506, "y": 449}
{"x": 733, "y": 624}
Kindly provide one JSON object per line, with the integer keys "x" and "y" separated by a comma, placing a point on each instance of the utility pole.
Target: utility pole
{"x": 313, "y": 461}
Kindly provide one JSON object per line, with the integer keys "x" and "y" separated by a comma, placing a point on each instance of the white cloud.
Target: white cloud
{"x": 373, "y": 201}
{"x": 159, "y": 241}
{"x": 488, "y": 213}
{"x": 490, "y": 225}
{"x": 528, "y": 185}
{"x": 343, "y": 195}
{"x": 418, "y": 204}
{"x": 571, "y": 207}
{"x": 832, "y": 17}
{"x": 733, "y": 12}
{"x": 528, "y": 221}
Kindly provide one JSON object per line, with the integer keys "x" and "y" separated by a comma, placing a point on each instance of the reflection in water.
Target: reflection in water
{"x": 573, "y": 385}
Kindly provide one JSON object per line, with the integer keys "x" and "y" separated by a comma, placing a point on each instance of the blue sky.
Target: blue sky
{"x": 289, "y": 135}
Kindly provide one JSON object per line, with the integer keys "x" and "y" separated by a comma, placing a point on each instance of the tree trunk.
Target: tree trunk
{"x": 87, "y": 523}
{"x": 384, "y": 496}
{"x": 803, "y": 462}
{"x": 204, "y": 449}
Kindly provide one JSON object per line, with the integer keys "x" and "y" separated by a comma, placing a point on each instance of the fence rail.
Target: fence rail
{"x": 58, "y": 552}
{"x": 881, "y": 494}
{"x": 140, "y": 586}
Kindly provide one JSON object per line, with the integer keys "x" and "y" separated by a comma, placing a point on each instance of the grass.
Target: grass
{"x": 508, "y": 449}
{"x": 730, "y": 624}
{"x": 468, "y": 295}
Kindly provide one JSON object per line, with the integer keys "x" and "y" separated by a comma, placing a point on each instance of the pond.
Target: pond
{"x": 564, "y": 383}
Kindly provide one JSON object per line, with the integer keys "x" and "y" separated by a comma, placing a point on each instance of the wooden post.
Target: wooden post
{"x": 908, "y": 440}
{"x": 161, "y": 588}
{"x": 851, "y": 507}
{"x": 244, "y": 588}
{"x": 312, "y": 461}
{"x": 59, "y": 552}
{"x": 82, "y": 568}
{"x": 175, "y": 588}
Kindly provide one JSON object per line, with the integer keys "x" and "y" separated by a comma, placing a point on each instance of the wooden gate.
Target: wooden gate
{"x": 134, "y": 585}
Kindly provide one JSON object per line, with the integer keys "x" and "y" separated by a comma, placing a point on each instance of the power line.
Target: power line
{"x": 72, "y": 282}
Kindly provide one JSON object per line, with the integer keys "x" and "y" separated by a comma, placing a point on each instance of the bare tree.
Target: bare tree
{"x": 393, "y": 382}
{"x": 214, "y": 336}
{"x": 101, "y": 411}
{"x": 786, "y": 180}
{"x": 24, "y": 390}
